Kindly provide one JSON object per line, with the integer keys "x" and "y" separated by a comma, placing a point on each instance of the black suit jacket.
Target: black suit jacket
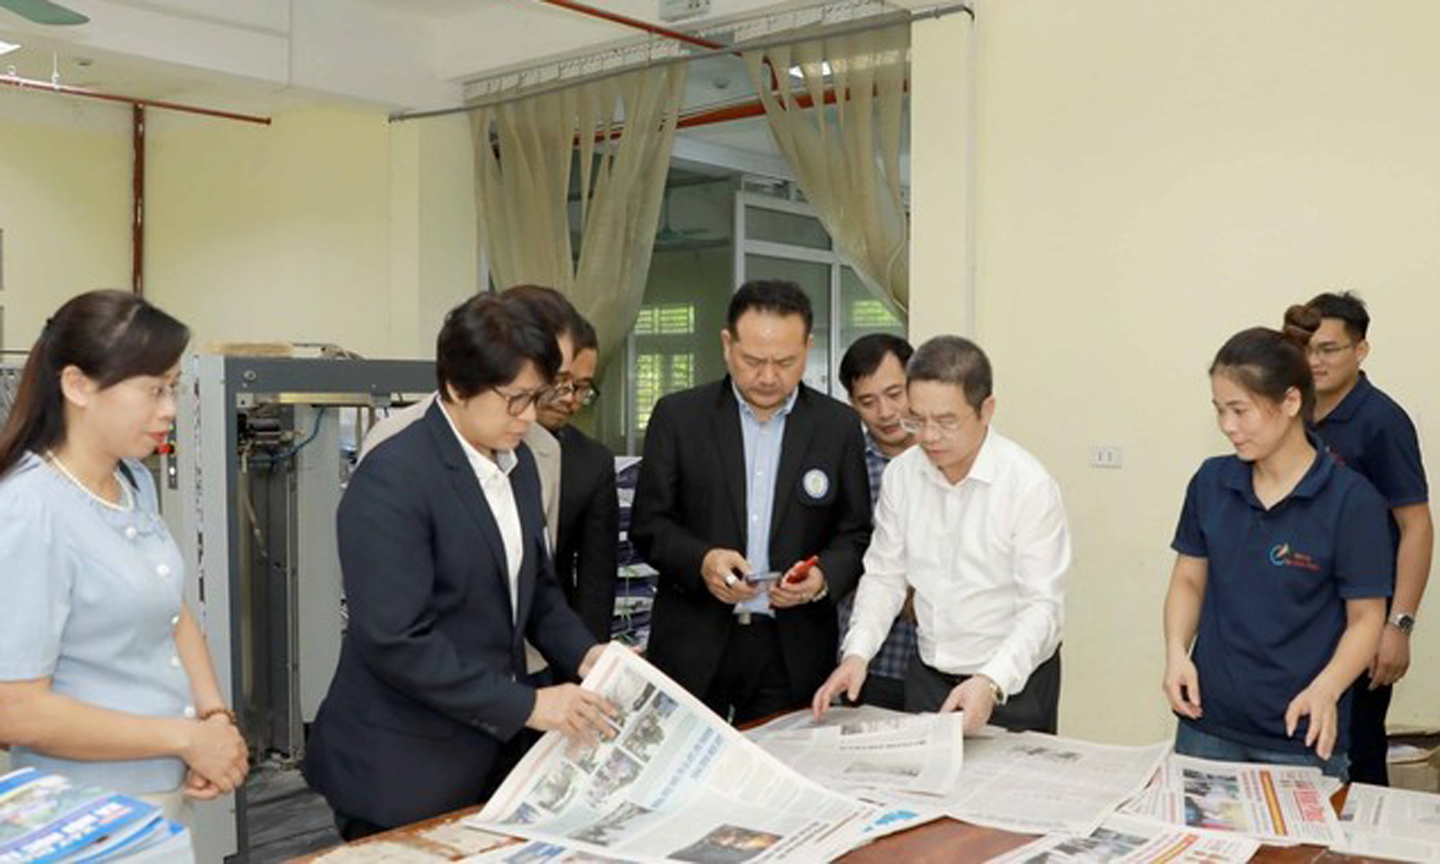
{"x": 691, "y": 499}
{"x": 430, "y": 679}
{"x": 587, "y": 543}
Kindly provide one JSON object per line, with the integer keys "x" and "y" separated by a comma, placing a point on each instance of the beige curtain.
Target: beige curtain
{"x": 846, "y": 156}
{"x": 524, "y": 155}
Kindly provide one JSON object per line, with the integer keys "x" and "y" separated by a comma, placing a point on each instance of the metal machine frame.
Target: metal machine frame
{"x": 206, "y": 491}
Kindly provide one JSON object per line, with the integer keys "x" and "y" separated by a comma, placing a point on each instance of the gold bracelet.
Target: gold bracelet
{"x": 215, "y": 712}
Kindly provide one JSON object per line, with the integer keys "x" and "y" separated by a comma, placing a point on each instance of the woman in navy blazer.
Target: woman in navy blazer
{"x": 447, "y": 572}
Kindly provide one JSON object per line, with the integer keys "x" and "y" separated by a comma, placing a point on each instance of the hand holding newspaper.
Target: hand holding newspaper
{"x": 675, "y": 781}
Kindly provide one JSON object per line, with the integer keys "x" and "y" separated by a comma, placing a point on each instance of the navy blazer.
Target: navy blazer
{"x": 691, "y": 499}
{"x": 587, "y": 545}
{"x": 430, "y": 682}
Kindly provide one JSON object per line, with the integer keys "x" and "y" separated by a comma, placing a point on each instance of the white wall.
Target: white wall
{"x": 1152, "y": 177}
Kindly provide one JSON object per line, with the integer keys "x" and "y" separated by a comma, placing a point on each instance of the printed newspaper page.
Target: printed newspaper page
{"x": 1391, "y": 823}
{"x": 1136, "y": 841}
{"x": 1033, "y": 783}
{"x": 675, "y": 781}
{"x": 855, "y": 749}
{"x": 1280, "y": 804}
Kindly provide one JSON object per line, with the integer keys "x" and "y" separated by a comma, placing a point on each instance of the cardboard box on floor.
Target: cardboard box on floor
{"x": 1414, "y": 761}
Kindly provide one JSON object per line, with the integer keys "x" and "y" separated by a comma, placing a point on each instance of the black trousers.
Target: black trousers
{"x": 1034, "y": 709}
{"x": 751, "y": 682}
{"x": 1368, "y": 740}
{"x": 884, "y": 692}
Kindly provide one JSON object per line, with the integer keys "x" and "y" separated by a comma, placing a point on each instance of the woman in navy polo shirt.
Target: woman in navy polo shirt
{"x": 1277, "y": 597}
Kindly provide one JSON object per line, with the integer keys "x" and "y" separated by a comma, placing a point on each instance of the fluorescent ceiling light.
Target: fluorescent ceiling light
{"x": 7, "y": 47}
{"x": 797, "y": 72}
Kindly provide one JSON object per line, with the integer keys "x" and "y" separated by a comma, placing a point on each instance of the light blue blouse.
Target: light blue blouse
{"x": 89, "y": 597}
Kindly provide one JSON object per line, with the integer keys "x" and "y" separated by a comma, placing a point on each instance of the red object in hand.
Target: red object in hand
{"x": 798, "y": 573}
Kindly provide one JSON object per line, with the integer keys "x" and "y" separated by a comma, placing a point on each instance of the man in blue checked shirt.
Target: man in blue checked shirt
{"x": 873, "y": 372}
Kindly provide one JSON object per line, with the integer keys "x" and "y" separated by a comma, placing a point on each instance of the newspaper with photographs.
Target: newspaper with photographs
{"x": 1129, "y": 840}
{"x": 1278, "y": 804}
{"x": 869, "y": 749}
{"x": 676, "y": 781}
{"x": 1391, "y": 823}
{"x": 1033, "y": 783}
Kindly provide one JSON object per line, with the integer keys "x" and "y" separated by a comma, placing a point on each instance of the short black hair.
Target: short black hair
{"x": 487, "y": 340}
{"x": 1345, "y": 306}
{"x": 777, "y": 296}
{"x": 583, "y": 336}
{"x": 954, "y": 360}
{"x": 557, "y": 312}
{"x": 866, "y": 354}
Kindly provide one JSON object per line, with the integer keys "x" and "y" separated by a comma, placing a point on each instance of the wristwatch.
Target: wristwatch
{"x": 1402, "y": 621}
{"x": 996, "y": 691}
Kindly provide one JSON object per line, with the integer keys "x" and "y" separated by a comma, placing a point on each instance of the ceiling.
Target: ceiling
{"x": 264, "y": 56}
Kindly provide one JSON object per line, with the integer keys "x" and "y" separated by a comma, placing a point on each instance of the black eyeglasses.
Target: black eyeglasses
{"x": 516, "y": 403}
{"x": 586, "y": 393}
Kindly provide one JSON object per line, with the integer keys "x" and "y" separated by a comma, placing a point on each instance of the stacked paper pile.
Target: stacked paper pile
{"x": 46, "y": 817}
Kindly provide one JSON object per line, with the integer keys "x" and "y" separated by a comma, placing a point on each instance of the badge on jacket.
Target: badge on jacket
{"x": 815, "y": 483}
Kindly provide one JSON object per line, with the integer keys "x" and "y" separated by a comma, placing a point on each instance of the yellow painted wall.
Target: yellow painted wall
{"x": 330, "y": 225}
{"x": 64, "y": 207}
{"x": 1152, "y": 177}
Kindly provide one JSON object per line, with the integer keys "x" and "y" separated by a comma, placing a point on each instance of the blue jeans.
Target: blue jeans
{"x": 1192, "y": 742}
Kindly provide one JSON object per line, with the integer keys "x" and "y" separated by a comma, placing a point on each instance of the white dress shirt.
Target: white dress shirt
{"x": 494, "y": 480}
{"x": 986, "y": 556}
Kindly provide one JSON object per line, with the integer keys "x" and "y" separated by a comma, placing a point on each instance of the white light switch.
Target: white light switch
{"x": 1105, "y": 456}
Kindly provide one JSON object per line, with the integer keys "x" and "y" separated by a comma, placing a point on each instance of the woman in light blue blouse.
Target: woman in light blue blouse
{"x": 104, "y": 675}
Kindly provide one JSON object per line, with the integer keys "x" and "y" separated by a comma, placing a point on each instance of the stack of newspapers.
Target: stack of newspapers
{"x": 46, "y": 817}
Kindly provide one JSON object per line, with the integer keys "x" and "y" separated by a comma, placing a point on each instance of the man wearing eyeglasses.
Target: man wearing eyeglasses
{"x": 1368, "y": 431}
{"x": 752, "y": 475}
{"x": 587, "y": 537}
{"x": 976, "y": 526}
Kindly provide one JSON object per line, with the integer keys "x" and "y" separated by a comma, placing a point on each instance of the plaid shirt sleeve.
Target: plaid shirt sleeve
{"x": 894, "y": 655}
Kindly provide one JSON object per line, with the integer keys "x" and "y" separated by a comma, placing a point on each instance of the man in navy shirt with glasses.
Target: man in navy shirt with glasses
{"x": 1365, "y": 429}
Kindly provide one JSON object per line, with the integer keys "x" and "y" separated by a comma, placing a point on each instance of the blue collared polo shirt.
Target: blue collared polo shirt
{"x": 1278, "y": 579}
{"x": 1370, "y": 433}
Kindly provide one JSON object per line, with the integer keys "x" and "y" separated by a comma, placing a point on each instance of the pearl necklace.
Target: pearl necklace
{"x": 127, "y": 500}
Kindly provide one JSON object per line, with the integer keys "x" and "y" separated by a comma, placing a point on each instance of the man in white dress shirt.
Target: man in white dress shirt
{"x": 975, "y": 525}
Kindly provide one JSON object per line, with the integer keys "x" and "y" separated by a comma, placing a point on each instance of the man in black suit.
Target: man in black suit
{"x": 587, "y": 543}
{"x": 752, "y": 474}
{"x": 443, "y": 551}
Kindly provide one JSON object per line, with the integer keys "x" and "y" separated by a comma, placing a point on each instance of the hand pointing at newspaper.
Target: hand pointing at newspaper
{"x": 847, "y": 678}
{"x": 573, "y": 711}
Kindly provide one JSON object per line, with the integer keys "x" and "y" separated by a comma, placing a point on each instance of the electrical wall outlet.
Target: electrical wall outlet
{"x": 1105, "y": 456}
{"x": 677, "y": 10}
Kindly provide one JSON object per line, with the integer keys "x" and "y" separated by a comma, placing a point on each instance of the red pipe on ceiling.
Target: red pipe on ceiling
{"x": 636, "y": 23}
{"x": 65, "y": 90}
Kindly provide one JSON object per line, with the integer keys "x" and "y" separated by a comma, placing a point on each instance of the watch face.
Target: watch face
{"x": 1404, "y": 623}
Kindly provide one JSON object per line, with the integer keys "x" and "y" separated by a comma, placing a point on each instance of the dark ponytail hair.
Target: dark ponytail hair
{"x": 1269, "y": 362}
{"x": 108, "y": 335}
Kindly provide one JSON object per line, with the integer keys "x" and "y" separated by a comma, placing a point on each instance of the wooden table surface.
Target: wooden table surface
{"x": 944, "y": 840}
